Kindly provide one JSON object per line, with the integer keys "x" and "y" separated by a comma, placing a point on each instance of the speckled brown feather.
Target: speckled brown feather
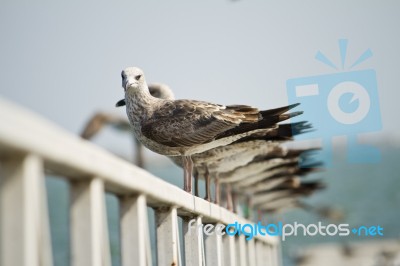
{"x": 183, "y": 123}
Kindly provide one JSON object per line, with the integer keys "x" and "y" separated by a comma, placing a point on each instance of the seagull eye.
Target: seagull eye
{"x": 138, "y": 77}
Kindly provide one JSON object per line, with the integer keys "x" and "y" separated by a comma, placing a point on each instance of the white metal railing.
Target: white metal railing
{"x": 30, "y": 145}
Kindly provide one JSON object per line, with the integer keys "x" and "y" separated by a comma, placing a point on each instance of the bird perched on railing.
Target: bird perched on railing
{"x": 245, "y": 154}
{"x": 186, "y": 127}
{"x": 284, "y": 197}
{"x": 223, "y": 159}
{"x": 253, "y": 165}
{"x": 226, "y": 158}
{"x": 240, "y": 156}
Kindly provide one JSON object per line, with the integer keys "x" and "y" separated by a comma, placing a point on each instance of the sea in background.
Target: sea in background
{"x": 367, "y": 194}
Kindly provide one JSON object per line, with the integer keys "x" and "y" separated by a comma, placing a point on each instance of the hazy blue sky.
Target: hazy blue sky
{"x": 63, "y": 60}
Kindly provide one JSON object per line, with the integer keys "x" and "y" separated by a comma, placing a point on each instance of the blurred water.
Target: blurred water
{"x": 367, "y": 194}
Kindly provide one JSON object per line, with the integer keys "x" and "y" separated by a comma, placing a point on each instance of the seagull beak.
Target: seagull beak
{"x": 130, "y": 83}
{"x": 120, "y": 103}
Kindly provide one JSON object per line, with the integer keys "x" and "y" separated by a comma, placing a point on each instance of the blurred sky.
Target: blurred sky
{"x": 63, "y": 59}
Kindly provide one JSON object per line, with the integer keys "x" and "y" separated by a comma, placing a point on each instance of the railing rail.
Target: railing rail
{"x": 30, "y": 145}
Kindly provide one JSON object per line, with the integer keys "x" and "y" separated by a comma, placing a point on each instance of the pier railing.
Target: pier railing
{"x": 30, "y": 146}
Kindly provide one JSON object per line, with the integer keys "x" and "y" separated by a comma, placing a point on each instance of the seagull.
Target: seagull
{"x": 268, "y": 167}
{"x": 284, "y": 194}
{"x": 290, "y": 176}
{"x": 226, "y": 158}
{"x": 184, "y": 127}
{"x": 289, "y": 179}
{"x": 99, "y": 120}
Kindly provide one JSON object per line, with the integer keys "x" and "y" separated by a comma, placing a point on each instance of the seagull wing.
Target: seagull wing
{"x": 183, "y": 123}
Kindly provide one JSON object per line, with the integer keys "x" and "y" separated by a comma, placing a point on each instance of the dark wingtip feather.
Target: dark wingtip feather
{"x": 278, "y": 111}
{"x": 291, "y": 106}
{"x": 313, "y": 185}
{"x": 315, "y": 166}
{"x": 120, "y": 103}
{"x": 295, "y": 114}
{"x": 284, "y": 117}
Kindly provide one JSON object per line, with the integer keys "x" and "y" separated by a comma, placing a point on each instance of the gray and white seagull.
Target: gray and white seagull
{"x": 184, "y": 127}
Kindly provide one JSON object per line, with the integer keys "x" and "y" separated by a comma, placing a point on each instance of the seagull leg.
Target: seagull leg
{"x": 217, "y": 190}
{"x": 207, "y": 177}
{"x": 185, "y": 173}
{"x": 190, "y": 173}
{"x": 138, "y": 153}
{"x": 246, "y": 211}
{"x": 234, "y": 201}
{"x": 250, "y": 207}
{"x": 229, "y": 197}
{"x": 259, "y": 215}
{"x": 196, "y": 182}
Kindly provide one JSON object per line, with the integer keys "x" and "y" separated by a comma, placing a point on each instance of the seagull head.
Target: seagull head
{"x": 132, "y": 79}
{"x": 161, "y": 91}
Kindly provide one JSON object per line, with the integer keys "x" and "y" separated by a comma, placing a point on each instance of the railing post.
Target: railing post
{"x": 194, "y": 243}
{"x": 24, "y": 224}
{"x": 277, "y": 254}
{"x": 168, "y": 248}
{"x": 229, "y": 250}
{"x": 135, "y": 239}
{"x": 259, "y": 253}
{"x": 266, "y": 254}
{"x": 89, "y": 231}
{"x": 241, "y": 250}
{"x": 251, "y": 252}
{"x": 271, "y": 255}
{"x": 213, "y": 247}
